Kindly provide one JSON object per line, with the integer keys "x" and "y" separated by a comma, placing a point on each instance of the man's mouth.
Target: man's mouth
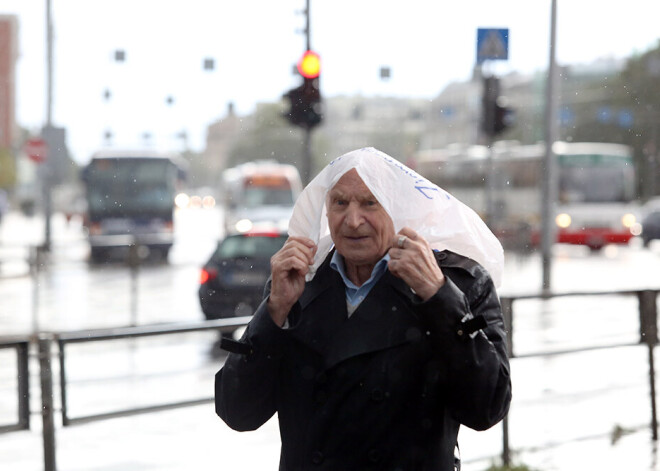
{"x": 356, "y": 238}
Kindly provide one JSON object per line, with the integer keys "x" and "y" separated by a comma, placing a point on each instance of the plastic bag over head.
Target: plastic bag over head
{"x": 409, "y": 199}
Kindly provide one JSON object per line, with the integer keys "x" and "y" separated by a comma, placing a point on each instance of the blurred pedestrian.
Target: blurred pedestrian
{"x": 372, "y": 345}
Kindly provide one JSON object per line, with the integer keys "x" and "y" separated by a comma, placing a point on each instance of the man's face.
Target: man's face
{"x": 359, "y": 226}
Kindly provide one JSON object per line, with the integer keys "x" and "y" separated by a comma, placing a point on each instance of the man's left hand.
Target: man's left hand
{"x": 411, "y": 259}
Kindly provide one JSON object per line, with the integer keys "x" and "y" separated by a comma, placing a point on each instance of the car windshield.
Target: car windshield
{"x": 250, "y": 246}
{"x": 263, "y": 196}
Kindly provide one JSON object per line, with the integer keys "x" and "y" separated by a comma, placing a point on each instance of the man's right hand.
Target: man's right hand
{"x": 288, "y": 269}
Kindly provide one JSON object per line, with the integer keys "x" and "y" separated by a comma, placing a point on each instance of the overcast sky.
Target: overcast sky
{"x": 255, "y": 43}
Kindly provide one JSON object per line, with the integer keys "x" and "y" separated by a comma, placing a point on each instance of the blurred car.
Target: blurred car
{"x": 651, "y": 221}
{"x": 232, "y": 281}
{"x": 248, "y": 218}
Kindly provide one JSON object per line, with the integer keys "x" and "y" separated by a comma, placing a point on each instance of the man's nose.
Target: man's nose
{"x": 353, "y": 216}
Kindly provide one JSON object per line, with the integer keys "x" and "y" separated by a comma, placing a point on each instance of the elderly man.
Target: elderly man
{"x": 373, "y": 353}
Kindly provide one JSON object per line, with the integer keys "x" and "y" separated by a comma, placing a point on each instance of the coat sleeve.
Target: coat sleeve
{"x": 465, "y": 320}
{"x": 245, "y": 386}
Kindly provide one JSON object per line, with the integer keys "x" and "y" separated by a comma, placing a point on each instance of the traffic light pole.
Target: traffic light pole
{"x": 307, "y": 23}
{"x": 307, "y": 141}
{"x": 491, "y": 91}
{"x": 307, "y": 157}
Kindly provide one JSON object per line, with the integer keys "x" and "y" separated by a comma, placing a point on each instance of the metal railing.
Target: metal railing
{"x": 99, "y": 335}
{"x": 21, "y": 346}
{"x": 648, "y": 336}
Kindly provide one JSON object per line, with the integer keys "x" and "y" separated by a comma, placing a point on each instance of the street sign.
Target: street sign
{"x": 492, "y": 44}
{"x": 36, "y": 149}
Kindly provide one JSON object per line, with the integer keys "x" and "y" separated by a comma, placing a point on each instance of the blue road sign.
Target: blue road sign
{"x": 492, "y": 44}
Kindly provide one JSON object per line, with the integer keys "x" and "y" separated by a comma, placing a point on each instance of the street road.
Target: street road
{"x": 560, "y": 402}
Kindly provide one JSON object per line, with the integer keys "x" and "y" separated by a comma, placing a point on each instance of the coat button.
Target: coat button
{"x": 317, "y": 457}
{"x": 377, "y": 395}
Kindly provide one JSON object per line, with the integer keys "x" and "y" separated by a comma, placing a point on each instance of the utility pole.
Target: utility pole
{"x": 549, "y": 189}
{"x": 49, "y": 64}
{"x": 47, "y": 166}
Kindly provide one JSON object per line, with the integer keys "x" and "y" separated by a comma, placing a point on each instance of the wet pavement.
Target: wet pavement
{"x": 584, "y": 411}
{"x": 194, "y": 438}
{"x": 580, "y": 411}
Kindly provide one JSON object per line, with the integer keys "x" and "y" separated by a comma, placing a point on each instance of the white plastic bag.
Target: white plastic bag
{"x": 410, "y": 200}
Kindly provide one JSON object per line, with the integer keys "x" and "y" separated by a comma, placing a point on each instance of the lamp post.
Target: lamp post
{"x": 549, "y": 188}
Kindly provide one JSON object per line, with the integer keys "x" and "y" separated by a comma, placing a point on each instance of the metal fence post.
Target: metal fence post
{"x": 47, "y": 408}
{"x": 507, "y": 312}
{"x": 23, "y": 385}
{"x": 63, "y": 394}
{"x": 648, "y": 326}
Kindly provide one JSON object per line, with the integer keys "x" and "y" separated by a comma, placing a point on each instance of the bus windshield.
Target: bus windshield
{"x": 124, "y": 187}
{"x": 595, "y": 184}
{"x": 256, "y": 196}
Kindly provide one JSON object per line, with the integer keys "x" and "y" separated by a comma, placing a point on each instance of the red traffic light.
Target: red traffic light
{"x": 309, "y": 65}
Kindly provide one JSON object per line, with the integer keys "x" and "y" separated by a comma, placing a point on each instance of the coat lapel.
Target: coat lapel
{"x": 382, "y": 320}
{"x": 323, "y": 310}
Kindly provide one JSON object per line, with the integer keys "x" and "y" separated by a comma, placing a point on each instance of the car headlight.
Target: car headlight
{"x": 628, "y": 220}
{"x": 182, "y": 200}
{"x": 563, "y": 220}
{"x": 243, "y": 225}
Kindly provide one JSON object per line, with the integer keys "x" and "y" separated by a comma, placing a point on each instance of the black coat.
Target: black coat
{"x": 385, "y": 389}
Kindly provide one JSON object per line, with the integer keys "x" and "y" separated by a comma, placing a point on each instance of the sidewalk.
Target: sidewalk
{"x": 194, "y": 438}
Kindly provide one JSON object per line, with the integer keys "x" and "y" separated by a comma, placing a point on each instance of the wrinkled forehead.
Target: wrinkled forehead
{"x": 350, "y": 182}
{"x": 352, "y": 185}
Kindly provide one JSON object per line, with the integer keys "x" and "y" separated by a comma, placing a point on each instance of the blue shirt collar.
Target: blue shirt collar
{"x": 355, "y": 294}
{"x": 337, "y": 262}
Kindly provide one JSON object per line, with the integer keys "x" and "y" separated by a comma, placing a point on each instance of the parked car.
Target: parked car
{"x": 651, "y": 221}
{"x": 233, "y": 279}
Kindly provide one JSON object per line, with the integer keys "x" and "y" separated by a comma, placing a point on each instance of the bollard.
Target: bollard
{"x": 47, "y": 408}
{"x": 648, "y": 327}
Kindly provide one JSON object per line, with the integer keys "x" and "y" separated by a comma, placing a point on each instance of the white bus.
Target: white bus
{"x": 261, "y": 192}
{"x": 596, "y": 201}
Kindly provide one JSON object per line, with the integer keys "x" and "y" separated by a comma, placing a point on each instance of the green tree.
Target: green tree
{"x": 625, "y": 108}
{"x": 7, "y": 169}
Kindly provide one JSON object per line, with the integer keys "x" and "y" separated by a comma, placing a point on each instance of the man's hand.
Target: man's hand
{"x": 411, "y": 259}
{"x": 288, "y": 269}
